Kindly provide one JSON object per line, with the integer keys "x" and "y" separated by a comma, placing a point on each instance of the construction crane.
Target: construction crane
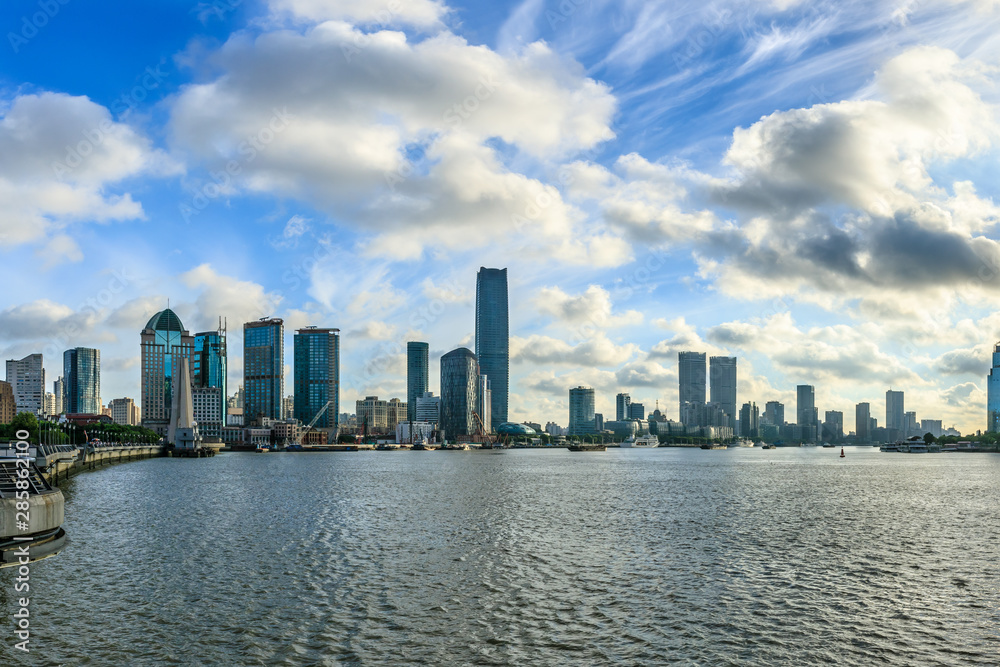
{"x": 314, "y": 420}
{"x": 487, "y": 438}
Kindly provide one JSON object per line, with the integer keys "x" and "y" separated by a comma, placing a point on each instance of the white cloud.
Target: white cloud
{"x": 419, "y": 13}
{"x": 592, "y": 307}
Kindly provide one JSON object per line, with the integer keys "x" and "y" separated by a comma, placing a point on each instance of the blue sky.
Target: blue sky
{"x": 808, "y": 186}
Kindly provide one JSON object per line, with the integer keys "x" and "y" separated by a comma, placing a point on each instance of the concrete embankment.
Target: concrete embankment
{"x": 60, "y": 466}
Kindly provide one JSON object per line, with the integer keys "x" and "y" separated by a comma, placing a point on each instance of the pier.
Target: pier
{"x": 60, "y": 462}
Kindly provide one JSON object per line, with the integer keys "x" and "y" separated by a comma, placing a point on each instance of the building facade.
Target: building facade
{"x": 485, "y": 404}
{"x": 690, "y": 380}
{"x": 895, "y": 415}
{"x": 749, "y": 421}
{"x": 636, "y": 411}
{"x": 428, "y": 408}
{"x": 833, "y": 426}
{"x": 622, "y": 403}
{"x": 263, "y": 369}
{"x": 27, "y": 378}
{"x": 82, "y": 381}
{"x": 581, "y": 411}
{"x": 493, "y": 338}
{"x": 207, "y": 409}
{"x": 460, "y": 392}
{"x": 722, "y": 376}
{"x": 372, "y": 414}
{"x": 862, "y": 417}
{"x": 209, "y": 363}
{"x": 8, "y": 405}
{"x": 165, "y": 345}
{"x": 124, "y": 411}
{"x": 317, "y": 377}
{"x": 774, "y": 413}
{"x": 993, "y": 393}
{"x": 417, "y": 375}
{"x": 806, "y": 413}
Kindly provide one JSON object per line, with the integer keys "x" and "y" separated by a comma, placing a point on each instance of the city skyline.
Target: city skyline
{"x": 811, "y": 192}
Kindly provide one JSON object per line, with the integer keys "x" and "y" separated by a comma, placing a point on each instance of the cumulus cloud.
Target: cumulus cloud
{"x": 419, "y": 13}
{"x": 595, "y": 352}
{"x": 222, "y": 295}
{"x": 591, "y": 307}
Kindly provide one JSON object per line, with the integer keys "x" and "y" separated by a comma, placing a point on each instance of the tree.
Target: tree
{"x": 25, "y": 421}
{"x": 929, "y": 438}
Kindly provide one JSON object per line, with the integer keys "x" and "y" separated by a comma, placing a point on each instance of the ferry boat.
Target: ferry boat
{"x": 714, "y": 446}
{"x": 769, "y": 447}
{"x": 587, "y": 447}
{"x": 648, "y": 440}
{"x": 742, "y": 442}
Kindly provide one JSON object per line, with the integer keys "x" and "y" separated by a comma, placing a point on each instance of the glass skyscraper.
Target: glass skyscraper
{"x": 417, "y": 376}
{"x": 459, "y": 393}
{"x": 722, "y": 376}
{"x": 806, "y": 414}
{"x": 690, "y": 379}
{"x": 263, "y": 369}
{"x": 581, "y": 410}
{"x": 993, "y": 393}
{"x": 894, "y": 414}
{"x": 317, "y": 376}
{"x": 82, "y": 374}
{"x": 492, "y": 337}
{"x": 209, "y": 364}
{"x": 165, "y": 346}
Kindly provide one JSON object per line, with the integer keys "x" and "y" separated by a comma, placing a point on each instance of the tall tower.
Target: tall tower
{"x": 82, "y": 373}
{"x": 690, "y": 379}
{"x": 581, "y": 410}
{"x": 862, "y": 418}
{"x": 317, "y": 376}
{"x": 210, "y": 363}
{"x": 459, "y": 392}
{"x": 993, "y": 393}
{"x": 27, "y": 379}
{"x": 622, "y": 403}
{"x": 165, "y": 344}
{"x": 417, "y": 376}
{"x": 722, "y": 373}
{"x": 492, "y": 337}
{"x": 263, "y": 368}
{"x": 805, "y": 409}
{"x": 894, "y": 414}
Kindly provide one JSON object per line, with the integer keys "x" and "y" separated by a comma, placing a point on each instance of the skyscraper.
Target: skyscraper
{"x": 722, "y": 373}
{"x": 27, "y": 378}
{"x": 417, "y": 376}
{"x": 209, "y": 364}
{"x": 459, "y": 393}
{"x": 894, "y": 414}
{"x": 486, "y": 403}
{"x": 581, "y": 410}
{"x": 263, "y": 369}
{"x": 806, "y": 414}
{"x": 833, "y": 426}
{"x": 774, "y": 413}
{"x": 993, "y": 393}
{"x": 492, "y": 337}
{"x": 636, "y": 411}
{"x": 82, "y": 376}
{"x": 164, "y": 345}
{"x": 317, "y": 376}
{"x": 749, "y": 420}
{"x": 690, "y": 379}
{"x": 622, "y": 402}
{"x": 862, "y": 416}
{"x": 59, "y": 389}
{"x": 8, "y": 406}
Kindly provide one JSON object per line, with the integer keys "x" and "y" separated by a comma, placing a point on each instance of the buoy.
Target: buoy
{"x": 841, "y": 452}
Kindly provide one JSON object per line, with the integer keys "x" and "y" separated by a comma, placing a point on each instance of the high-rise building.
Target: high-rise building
{"x": 622, "y": 402}
{"x": 806, "y": 414}
{"x": 49, "y": 408}
{"x": 428, "y": 408}
{"x": 372, "y": 414}
{"x": 691, "y": 380}
{"x": 165, "y": 345}
{"x": 636, "y": 411}
{"x": 417, "y": 375}
{"x": 460, "y": 392}
{"x": 722, "y": 376}
{"x": 124, "y": 411}
{"x": 749, "y": 420}
{"x": 774, "y": 413}
{"x": 317, "y": 376}
{"x": 209, "y": 366}
{"x": 207, "y": 409}
{"x": 8, "y": 405}
{"x": 894, "y": 414}
{"x": 395, "y": 413}
{"x": 581, "y": 411}
{"x": 993, "y": 393}
{"x": 485, "y": 403}
{"x": 862, "y": 417}
{"x": 27, "y": 378}
{"x": 82, "y": 377}
{"x": 833, "y": 426}
{"x": 492, "y": 337}
{"x": 910, "y": 424}
{"x": 932, "y": 426}
{"x": 59, "y": 391}
{"x": 263, "y": 369}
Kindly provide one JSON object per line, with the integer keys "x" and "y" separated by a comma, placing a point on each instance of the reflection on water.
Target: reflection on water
{"x": 742, "y": 556}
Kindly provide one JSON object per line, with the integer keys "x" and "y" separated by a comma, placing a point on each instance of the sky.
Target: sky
{"x": 808, "y": 186}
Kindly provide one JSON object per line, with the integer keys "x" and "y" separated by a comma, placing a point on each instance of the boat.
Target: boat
{"x": 759, "y": 443}
{"x": 648, "y": 440}
{"x": 827, "y": 445}
{"x": 387, "y": 447}
{"x": 262, "y": 449}
{"x": 455, "y": 447}
{"x": 714, "y": 446}
{"x": 587, "y": 447}
{"x": 769, "y": 447}
{"x": 742, "y": 442}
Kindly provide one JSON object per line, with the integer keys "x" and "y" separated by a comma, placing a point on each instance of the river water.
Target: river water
{"x": 736, "y": 557}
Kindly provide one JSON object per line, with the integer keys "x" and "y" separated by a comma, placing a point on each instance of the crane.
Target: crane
{"x": 487, "y": 438}
{"x": 314, "y": 420}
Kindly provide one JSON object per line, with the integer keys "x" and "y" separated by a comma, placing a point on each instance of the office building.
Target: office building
{"x": 59, "y": 391}
{"x": 124, "y": 411}
{"x": 581, "y": 411}
{"x": 82, "y": 378}
{"x": 833, "y": 426}
{"x": 460, "y": 393}
{"x": 749, "y": 421}
{"x": 417, "y": 375}
{"x": 895, "y": 423}
{"x": 210, "y": 363}
{"x": 8, "y": 405}
{"x": 165, "y": 345}
{"x": 492, "y": 338}
{"x": 691, "y": 380}
{"x": 932, "y": 426}
{"x": 395, "y": 412}
{"x": 27, "y": 378}
{"x": 636, "y": 411}
{"x": 862, "y": 418}
{"x": 263, "y": 369}
{"x": 49, "y": 405}
{"x": 993, "y": 393}
{"x": 485, "y": 404}
{"x": 806, "y": 413}
{"x": 910, "y": 424}
{"x": 372, "y": 414}
{"x": 722, "y": 376}
{"x": 774, "y": 413}
{"x": 428, "y": 408}
{"x": 317, "y": 377}
{"x": 622, "y": 403}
